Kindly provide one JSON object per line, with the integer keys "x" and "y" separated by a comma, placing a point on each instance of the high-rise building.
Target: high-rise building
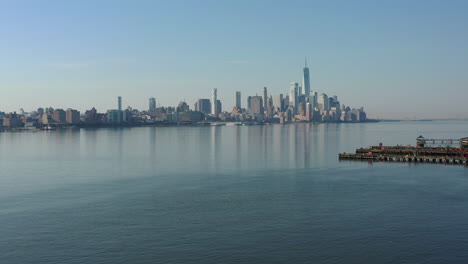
{"x": 265, "y": 97}
{"x": 59, "y": 116}
{"x": 323, "y": 102}
{"x": 313, "y": 100}
{"x": 306, "y": 80}
{"x": 269, "y": 108}
{"x": 219, "y": 106}
{"x": 152, "y": 104}
{"x": 255, "y": 106}
{"x": 238, "y": 99}
{"x": 278, "y": 102}
{"x": 72, "y": 116}
{"x": 301, "y": 109}
{"x": 12, "y": 120}
{"x": 114, "y": 116}
{"x": 309, "y": 112}
{"x": 214, "y": 102}
{"x": 293, "y": 96}
{"x": 203, "y": 105}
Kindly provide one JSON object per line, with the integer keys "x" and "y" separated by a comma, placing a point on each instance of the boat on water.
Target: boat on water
{"x": 48, "y": 127}
{"x": 218, "y": 124}
{"x": 234, "y": 124}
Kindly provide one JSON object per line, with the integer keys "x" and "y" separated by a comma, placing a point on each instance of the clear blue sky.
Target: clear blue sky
{"x": 396, "y": 58}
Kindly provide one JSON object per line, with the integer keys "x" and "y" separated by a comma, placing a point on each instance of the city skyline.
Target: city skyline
{"x": 299, "y": 105}
{"x": 394, "y": 58}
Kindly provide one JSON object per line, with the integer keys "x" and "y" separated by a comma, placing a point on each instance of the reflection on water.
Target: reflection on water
{"x": 71, "y": 155}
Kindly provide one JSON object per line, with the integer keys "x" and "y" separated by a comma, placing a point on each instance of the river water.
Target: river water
{"x": 255, "y": 194}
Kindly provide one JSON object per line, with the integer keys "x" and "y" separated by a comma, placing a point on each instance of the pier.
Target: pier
{"x": 423, "y": 152}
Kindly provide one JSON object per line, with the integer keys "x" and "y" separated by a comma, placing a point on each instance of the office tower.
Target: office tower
{"x": 203, "y": 105}
{"x": 120, "y": 103}
{"x": 265, "y": 97}
{"x": 313, "y": 100}
{"x": 269, "y": 109}
{"x": 334, "y": 102}
{"x": 301, "y": 109}
{"x": 309, "y": 112}
{"x": 255, "y": 106}
{"x": 279, "y": 103}
{"x": 293, "y": 96}
{"x": 72, "y": 116}
{"x": 59, "y": 116}
{"x": 323, "y": 102}
{"x": 214, "y": 104}
{"x": 12, "y": 120}
{"x": 219, "y": 106}
{"x": 114, "y": 116}
{"x": 238, "y": 99}
{"x": 152, "y": 104}
{"x": 306, "y": 80}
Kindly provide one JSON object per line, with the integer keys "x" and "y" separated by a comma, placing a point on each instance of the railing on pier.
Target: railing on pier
{"x": 422, "y": 142}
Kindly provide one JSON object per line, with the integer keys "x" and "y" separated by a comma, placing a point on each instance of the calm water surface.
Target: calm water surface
{"x": 259, "y": 194}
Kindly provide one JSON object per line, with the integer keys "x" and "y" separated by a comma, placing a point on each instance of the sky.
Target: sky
{"x": 399, "y": 59}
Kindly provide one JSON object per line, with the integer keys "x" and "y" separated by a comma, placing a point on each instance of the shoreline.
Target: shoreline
{"x": 171, "y": 124}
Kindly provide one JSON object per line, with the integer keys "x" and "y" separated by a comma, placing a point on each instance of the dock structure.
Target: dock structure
{"x": 421, "y": 153}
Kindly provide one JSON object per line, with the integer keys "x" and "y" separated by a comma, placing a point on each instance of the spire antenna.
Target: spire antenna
{"x": 305, "y": 61}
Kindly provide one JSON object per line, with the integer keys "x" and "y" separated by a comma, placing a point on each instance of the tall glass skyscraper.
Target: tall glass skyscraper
{"x": 214, "y": 102}
{"x": 152, "y": 103}
{"x": 238, "y": 99}
{"x": 306, "y": 80}
{"x": 293, "y": 94}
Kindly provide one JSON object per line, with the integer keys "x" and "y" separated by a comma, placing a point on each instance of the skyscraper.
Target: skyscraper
{"x": 219, "y": 106}
{"x": 59, "y": 116}
{"x": 116, "y": 116}
{"x": 306, "y": 80}
{"x": 269, "y": 109}
{"x": 293, "y": 95}
{"x": 313, "y": 100}
{"x": 238, "y": 99}
{"x": 265, "y": 97}
{"x": 323, "y": 102}
{"x": 255, "y": 106}
{"x": 72, "y": 116}
{"x": 278, "y": 102}
{"x": 203, "y": 105}
{"x": 152, "y": 103}
{"x": 214, "y": 102}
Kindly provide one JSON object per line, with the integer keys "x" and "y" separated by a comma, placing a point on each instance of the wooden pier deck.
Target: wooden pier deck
{"x": 418, "y": 154}
{"x": 460, "y": 160}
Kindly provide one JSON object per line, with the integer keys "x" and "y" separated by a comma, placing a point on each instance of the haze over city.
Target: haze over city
{"x": 397, "y": 59}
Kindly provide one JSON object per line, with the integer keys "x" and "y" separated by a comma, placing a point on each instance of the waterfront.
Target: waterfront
{"x": 264, "y": 194}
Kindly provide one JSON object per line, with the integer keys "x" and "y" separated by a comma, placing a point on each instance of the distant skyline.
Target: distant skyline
{"x": 397, "y": 59}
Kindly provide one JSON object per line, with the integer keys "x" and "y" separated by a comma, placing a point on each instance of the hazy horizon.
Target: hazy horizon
{"x": 397, "y": 59}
